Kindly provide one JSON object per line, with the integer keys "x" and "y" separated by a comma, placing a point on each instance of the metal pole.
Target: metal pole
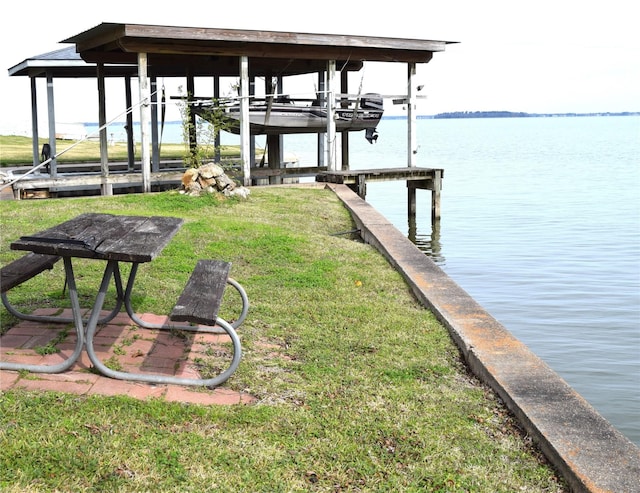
{"x": 216, "y": 97}
{"x": 34, "y": 122}
{"x": 245, "y": 136}
{"x": 106, "y": 188}
{"x": 131, "y": 150}
{"x": 252, "y": 138}
{"x": 155, "y": 148}
{"x": 331, "y": 122}
{"x": 193, "y": 134}
{"x": 344, "y": 136}
{"x": 321, "y": 137}
{"x": 145, "y": 117}
{"x": 52, "y": 124}
{"x": 435, "y": 196}
{"x": 412, "y": 146}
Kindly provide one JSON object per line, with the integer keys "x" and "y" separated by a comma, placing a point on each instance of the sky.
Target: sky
{"x": 547, "y": 56}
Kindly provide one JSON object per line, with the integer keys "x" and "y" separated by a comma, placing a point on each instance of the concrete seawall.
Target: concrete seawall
{"x": 587, "y": 450}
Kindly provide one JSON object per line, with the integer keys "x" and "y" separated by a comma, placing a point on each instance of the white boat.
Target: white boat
{"x": 283, "y": 115}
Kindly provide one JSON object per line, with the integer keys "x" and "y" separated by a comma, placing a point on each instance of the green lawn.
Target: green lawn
{"x": 16, "y": 150}
{"x": 358, "y": 387}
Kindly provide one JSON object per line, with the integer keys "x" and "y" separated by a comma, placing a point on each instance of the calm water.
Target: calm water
{"x": 541, "y": 225}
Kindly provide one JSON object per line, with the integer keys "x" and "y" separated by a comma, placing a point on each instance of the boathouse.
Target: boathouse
{"x": 148, "y": 52}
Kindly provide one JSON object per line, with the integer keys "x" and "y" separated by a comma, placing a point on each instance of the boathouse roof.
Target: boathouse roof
{"x": 174, "y": 51}
{"x": 66, "y": 63}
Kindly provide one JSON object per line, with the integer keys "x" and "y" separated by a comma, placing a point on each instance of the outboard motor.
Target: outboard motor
{"x": 371, "y": 135}
{"x": 372, "y": 102}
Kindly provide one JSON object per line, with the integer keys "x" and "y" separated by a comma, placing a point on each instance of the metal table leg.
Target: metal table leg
{"x": 65, "y": 320}
{"x": 146, "y": 377}
{"x": 77, "y": 319}
{"x": 170, "y": 326}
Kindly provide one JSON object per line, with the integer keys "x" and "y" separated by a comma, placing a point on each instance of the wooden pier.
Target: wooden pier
{"x": 422, "y": 178}
{"x": 84, "y": 181}
{"x": 91, "y": 183}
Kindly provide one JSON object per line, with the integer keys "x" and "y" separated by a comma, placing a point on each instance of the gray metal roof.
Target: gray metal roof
{"x": 65, "y": 62}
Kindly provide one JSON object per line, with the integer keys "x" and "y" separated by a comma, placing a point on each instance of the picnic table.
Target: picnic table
{"x": 119, "y": 239}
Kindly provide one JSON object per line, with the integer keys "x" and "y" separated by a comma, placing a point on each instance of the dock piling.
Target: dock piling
{"x": 422, "y": 178}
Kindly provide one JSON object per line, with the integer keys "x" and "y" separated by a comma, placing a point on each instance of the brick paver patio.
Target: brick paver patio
{"x": 125, "y": 345}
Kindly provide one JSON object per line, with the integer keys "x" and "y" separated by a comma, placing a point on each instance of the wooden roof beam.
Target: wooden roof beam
{"x": 264, "y": 50}
{"x": 270, "y": 37}
{"x": 175, "y": 64}
{"x": 269, "y": 44}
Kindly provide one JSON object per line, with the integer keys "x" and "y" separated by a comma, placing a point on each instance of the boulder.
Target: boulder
{"x": 189, "y": 177}
{"x": 210, "y": 170}
{"x": 211, "y": 178}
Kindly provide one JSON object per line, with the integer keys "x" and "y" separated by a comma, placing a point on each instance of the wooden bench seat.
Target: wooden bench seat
{"x": 24, "y": 268}
{"x": 202, "y": 296}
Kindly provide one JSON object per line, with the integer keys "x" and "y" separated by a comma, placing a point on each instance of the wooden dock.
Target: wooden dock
{"x": 81, "y": 183}
{"x": 87, "y": 182}
{"x": 87, "y": 179}
{"x": 422, "y": 178}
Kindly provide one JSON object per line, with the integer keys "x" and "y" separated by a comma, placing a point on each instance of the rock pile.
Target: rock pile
{"x": 211, "y": 178}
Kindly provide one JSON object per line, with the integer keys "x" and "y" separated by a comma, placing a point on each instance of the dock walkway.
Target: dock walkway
{"x": 416, "y": 178}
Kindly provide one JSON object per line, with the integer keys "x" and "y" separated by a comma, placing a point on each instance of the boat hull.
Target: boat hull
{"x": 289, "y": 118}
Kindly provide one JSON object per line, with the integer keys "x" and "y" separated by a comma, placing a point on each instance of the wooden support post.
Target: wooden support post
{"x": 245, "y": 136}
{"x": 193, "y": 137}
{"x": 331, "y": 111}
{"x": 252, "y": 139}
{"x": 155, "y": 149}
{"x": 411, "y": 200}
{"x": 321, "y": 136}
{"x": 131, "y": 147}
{"x": 436, "y": 246}
{"x": 344, "y": 137}
{"x": 412, "y": 146}
{"x": 105, "y": 187}
{"x": 435, "y": 195}
{"x": 274, "y": 157}
{"x": 34, "y": 122}
{"x": 52, "y": 124}
{"x": 412, "y": 232}
{"x": 279, "y": 89}
{"x": 362, "y": 186}
{"x": 434, "y": 183}
{"x": 143, "y": 82}
{"x": 217, "y": 142}
{"x": 274, "y": 142}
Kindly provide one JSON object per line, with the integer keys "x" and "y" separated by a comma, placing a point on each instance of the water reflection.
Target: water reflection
{"x": 427, "y": 243}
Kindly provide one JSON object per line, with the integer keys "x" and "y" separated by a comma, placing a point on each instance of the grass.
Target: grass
{"x": 358, "y": 387}
{"x": 16, "y": 150}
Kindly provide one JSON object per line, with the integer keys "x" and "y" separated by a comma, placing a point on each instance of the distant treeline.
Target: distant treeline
{"x": 512, "y": 114}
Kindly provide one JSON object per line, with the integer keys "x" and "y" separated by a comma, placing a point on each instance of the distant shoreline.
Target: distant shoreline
{"x": 467, "y": 114}
{"x": 25, "y": 128}
{"x": 512, "y": 114}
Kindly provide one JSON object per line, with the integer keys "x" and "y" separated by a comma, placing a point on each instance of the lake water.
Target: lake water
{"x": 540, "y": 224}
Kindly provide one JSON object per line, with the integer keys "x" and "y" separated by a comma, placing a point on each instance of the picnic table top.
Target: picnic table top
{"x": 104, "y": 236}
